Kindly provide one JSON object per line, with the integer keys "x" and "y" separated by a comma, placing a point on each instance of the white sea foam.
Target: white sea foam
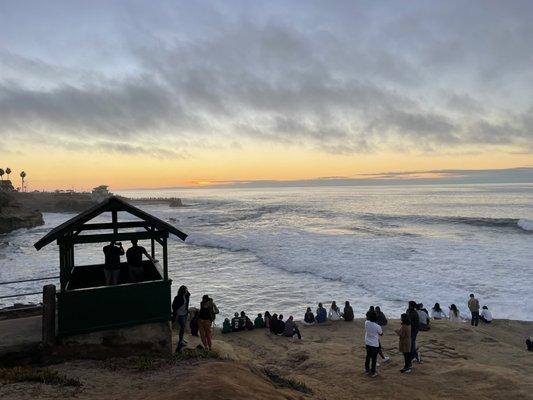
{"x": 526, "y": 224}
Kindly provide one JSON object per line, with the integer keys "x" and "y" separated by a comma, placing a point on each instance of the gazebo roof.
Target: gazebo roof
{"x": 112, "y": 203}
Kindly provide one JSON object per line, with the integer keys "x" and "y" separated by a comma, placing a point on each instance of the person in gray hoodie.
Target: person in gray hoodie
{"x": 291, "y": 329}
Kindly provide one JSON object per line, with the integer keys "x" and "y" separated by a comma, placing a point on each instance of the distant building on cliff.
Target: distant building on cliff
{"x": 100, "y": 193}
{"x": 6, "y": 186}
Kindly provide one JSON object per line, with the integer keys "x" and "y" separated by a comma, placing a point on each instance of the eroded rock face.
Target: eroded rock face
{"x": 15, "y": 216}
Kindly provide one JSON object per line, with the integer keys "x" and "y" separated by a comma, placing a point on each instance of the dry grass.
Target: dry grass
{"x": 41, "y": 375}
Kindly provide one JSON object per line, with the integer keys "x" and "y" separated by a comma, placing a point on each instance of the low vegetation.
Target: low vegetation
{"x": 195, "y": 354}
{"x": 40, "y": 375}
{"x": 290, "y": 383}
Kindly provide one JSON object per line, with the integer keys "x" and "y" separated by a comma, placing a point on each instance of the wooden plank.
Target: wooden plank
{"x": 107, "y": 225}
{"x": 108, "y": 237}
{"x": 165, "y": 260}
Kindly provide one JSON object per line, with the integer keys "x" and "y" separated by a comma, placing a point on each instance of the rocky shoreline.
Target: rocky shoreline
{"x": 15, "y": 215}
{"x": 24, "y": 210}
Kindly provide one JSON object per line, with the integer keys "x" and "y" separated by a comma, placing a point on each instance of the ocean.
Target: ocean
{"x": 283, "y": 249}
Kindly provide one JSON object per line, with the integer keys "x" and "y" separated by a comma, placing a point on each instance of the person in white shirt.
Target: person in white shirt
{"x": 372, "y": 333}
{"x": 437, "y": 312}
{"x": 334, "y": 312}
{"x": 454, "y": 315}
{"x": 423, "y": 318}
{"x": 486, "y": 315}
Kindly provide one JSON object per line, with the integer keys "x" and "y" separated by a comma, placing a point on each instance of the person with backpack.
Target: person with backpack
{"x": 206, "y": 316}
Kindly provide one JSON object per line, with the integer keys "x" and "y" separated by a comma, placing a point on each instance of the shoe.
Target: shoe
{"x": 374, "y": 375}
{"x": 406, "y": 370}
{"x": 366, "y": 372}
{"x": 419, "y": 358}
{"x": 386, "y": 359}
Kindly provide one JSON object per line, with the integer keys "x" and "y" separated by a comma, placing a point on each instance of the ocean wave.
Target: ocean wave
{"x": 336, "y": 257}
{"x": 513, "y": 223}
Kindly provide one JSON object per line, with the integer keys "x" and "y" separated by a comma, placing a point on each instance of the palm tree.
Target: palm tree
{"x": 8, "y": 171}
{"x": 1, "y": 174}
{"x": 22, "y": 175}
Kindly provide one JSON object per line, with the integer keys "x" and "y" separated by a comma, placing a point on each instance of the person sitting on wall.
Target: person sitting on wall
{"x": 248, "y": 324}
{"x": 309, "y": 317}
{"x": 134, "y": 256}
{"x": 226, "y": 326}
{"x": 348, "y": 312}
{"x": 259, "y": 322}
{"x": 112, "y": 253}
{"x": 291, "y": 329}
{"x": 236, "y": 324}
{"x": 423, "y": 318}
{"x": 486, "y": 315}
{"x": 321, "y": 314}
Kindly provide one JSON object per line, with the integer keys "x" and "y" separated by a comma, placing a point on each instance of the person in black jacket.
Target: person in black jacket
{"x": 348, "y": 312}
{"x": 180, "y": 310}
{"x": 381, "y": 320}
{"x": 193, "y": 323}
{"x": 415, "y": 322}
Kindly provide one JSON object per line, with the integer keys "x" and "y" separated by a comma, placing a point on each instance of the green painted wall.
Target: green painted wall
{"x": 95, "y": 309}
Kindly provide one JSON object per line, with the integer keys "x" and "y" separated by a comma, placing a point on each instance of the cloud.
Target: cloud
{"x": 416, "y": 78}
{"x": 522, "y": 175}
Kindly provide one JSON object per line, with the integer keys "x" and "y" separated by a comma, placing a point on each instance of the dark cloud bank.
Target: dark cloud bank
{"x": 341, "y": 78}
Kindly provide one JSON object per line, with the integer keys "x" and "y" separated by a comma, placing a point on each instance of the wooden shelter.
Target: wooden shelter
{"x": 84, "y": 303}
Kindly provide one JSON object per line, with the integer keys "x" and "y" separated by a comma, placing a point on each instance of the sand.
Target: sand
{"x": 459, "y": 362}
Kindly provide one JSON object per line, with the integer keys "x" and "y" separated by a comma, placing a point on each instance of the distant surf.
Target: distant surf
{"x": 515, "y": 223}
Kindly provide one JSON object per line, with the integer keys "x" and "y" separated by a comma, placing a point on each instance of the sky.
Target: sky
{"x": 179, "y": 93}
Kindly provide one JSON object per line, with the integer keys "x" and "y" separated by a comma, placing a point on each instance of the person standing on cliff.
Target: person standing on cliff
{"x": 112, "y": 253}
{"x": 473, "y": 306}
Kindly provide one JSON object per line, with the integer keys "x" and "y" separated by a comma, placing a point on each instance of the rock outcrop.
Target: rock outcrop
{"x": 14, "y": 215}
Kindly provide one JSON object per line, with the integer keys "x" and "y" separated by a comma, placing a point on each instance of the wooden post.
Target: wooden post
{"x": 49, "y": 315}
{"x": 165, "y": 259}
{"x": 152, "y": 244}
{"x": 114, "y": 219}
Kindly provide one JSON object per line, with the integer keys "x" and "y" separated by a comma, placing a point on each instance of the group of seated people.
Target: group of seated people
{"x": 454, "y": 315}
{"x": 274, "y": 323}
{"x": 334, "y": 314}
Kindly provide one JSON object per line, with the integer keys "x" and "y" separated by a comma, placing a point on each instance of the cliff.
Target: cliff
{"x": 14, "y": 215}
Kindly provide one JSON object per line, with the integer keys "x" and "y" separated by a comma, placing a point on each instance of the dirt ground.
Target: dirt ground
{"x": 459, "y": 362}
